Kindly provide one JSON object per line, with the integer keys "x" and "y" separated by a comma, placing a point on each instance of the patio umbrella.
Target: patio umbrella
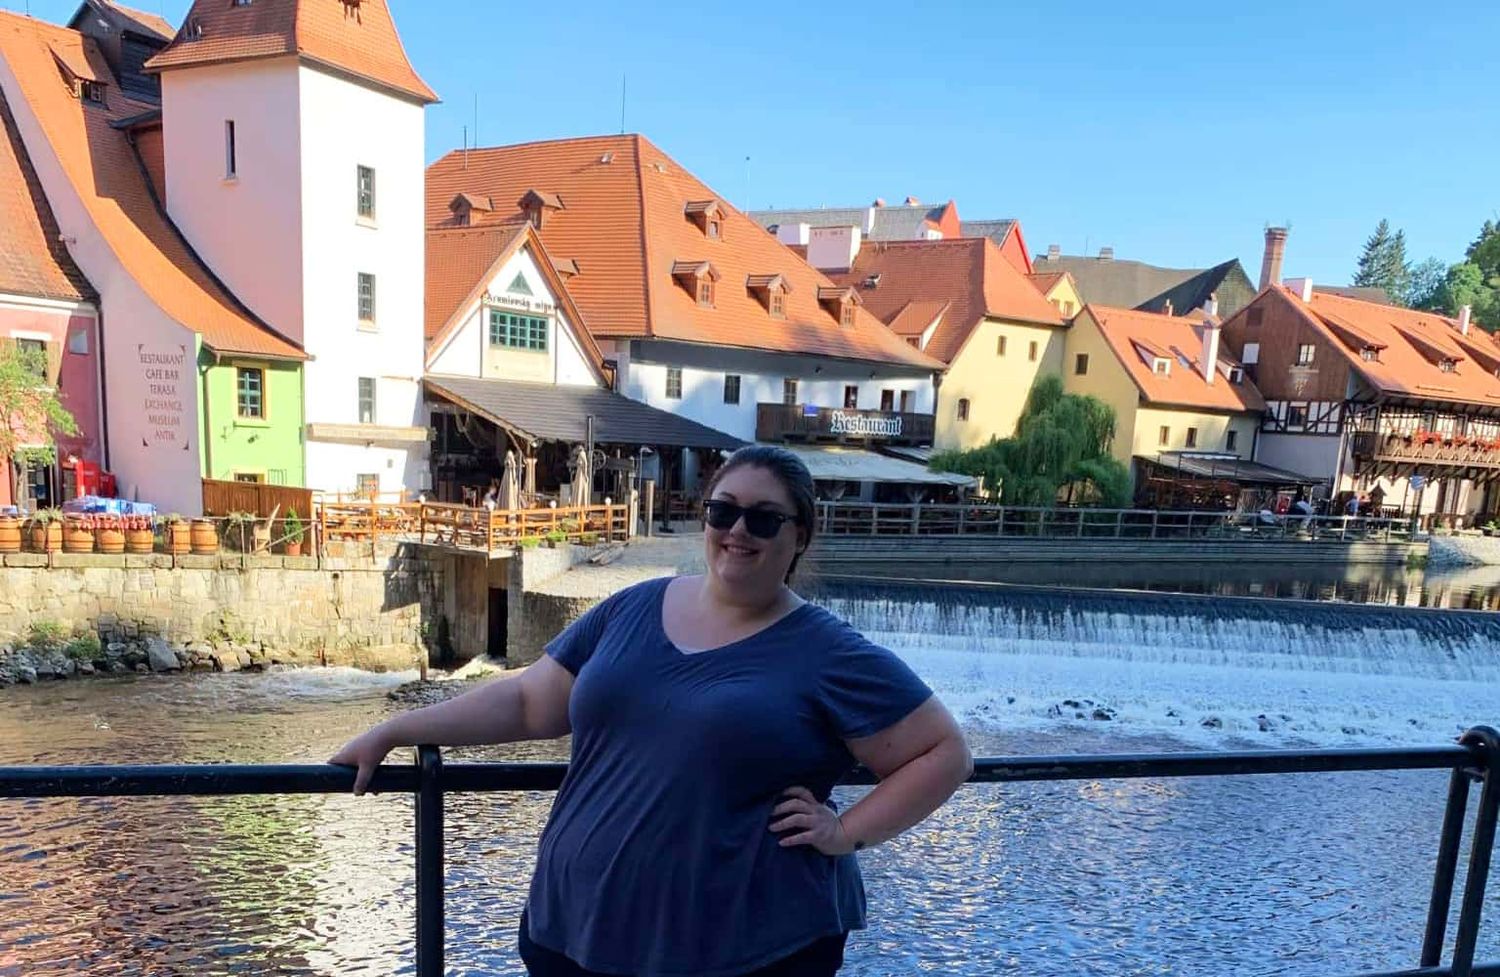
{"x": 583, "y": 477}
{"x": 510, "y": 486}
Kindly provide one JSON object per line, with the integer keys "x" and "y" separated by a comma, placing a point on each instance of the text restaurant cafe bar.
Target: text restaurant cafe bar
{"x": 862, "y": 455}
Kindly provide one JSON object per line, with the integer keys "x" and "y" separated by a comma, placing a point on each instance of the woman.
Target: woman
{"x": 711, "y": 716}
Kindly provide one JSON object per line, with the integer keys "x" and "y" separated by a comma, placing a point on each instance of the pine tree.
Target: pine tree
{"x": 1383, "y": 263}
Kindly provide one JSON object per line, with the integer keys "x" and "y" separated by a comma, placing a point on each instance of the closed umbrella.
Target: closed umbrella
{"x": 583, "y": 477}
{"x": 510, "y": 483}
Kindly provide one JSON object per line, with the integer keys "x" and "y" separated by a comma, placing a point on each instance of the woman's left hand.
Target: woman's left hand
{"x": 820, "y": 827}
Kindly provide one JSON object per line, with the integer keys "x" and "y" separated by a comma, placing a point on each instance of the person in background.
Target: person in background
{"x": 711, "y": 717}
{"x": 491, "y": 495}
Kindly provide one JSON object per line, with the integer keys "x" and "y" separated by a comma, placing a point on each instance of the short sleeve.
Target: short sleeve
{"x": 864, "y": 688}
{"x": 575, "y": 645}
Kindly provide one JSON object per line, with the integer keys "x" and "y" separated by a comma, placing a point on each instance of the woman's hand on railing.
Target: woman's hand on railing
{"x": 365, "y": 752}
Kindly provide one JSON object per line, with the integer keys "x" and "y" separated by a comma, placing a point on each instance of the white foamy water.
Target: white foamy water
{"x": 1214, "y": 682}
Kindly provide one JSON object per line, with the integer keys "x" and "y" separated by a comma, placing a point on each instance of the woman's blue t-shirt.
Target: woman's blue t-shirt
{"x": 657, "y": 859}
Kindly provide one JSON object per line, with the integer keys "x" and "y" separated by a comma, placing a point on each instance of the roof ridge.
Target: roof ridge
{"x": 542, "y": 142}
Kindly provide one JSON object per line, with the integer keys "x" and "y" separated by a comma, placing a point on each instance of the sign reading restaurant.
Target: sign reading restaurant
{"x": 865, "y": 425}
{"x": 809, "y": 423}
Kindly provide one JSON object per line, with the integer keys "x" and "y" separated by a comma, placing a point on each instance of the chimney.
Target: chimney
{"x": 1167, "y": 308}
{"x": 1211, "y": 307}
{"x": 1270, "y": 262}
{"x": 913, "y": 202}
{"x": 833, "y": 248}
{"x": 1106, "y": 254}
{"x": 1210, "y": 364}
{"x": 879, "y": 202}
{"x": 1054, "y": 252}
{"x": 792, "y": 233}
{"x": 1300, "y": 287}
{"x": 1463, "y": 319}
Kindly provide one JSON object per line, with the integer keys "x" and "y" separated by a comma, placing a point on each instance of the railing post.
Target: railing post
{"x": 1483, "y": 846}
{"x": 429, "y": 862}
{"x": 1120, "y": 524}
{"x": 1154, "y": 514}
{"x": 1447, "y": 863}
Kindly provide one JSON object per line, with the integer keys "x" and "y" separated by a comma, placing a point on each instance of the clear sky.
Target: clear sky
{"x": 1173, "y": 131}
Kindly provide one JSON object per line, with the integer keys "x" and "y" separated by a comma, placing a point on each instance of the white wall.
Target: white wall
{"x": 344, "y": 126}
{"x": 165, "y": 471}
{"x": 247, "y": 228}
{"x": 467, "y": 352}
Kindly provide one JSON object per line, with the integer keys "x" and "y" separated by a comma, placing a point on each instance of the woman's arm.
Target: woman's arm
{"x": 532, "y": 705}
{"x": 920, "y": 761}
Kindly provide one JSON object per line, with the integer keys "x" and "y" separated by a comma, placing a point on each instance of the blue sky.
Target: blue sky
{"x": 1172, "y": 131}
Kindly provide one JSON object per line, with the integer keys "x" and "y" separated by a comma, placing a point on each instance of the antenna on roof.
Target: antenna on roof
{"x": 466, "y": 147}
{"x": 476, "y": 120}
{"x": 622, "y": 103}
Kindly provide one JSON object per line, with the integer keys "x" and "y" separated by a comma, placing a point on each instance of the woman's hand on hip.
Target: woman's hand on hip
{"x": 809, "y": 823}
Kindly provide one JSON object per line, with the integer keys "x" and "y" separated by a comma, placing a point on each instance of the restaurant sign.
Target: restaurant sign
{"x": 865, "y": 425}
{"x": 810, "y": 423}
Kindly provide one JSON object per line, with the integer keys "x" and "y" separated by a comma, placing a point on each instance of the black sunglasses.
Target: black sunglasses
{"x": 762, "y": 523}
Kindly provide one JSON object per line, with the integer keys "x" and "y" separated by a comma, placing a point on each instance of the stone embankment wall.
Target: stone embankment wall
{"x": 1463, "y": 551}
{"x": 213, "y": 611}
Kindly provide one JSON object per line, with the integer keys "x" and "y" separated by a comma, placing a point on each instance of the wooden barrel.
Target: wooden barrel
{"x": 77, "y": 538}
{"x": 139, "y": 541}
{"x": 46, "y": 537}
{"x": 10, "y": 535}
{"x": 111, "y": 541}
{"x": 179, "y": 538}
{"x": 205, "y": 538}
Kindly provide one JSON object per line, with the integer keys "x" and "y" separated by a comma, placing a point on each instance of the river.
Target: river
{"x": 1302, "y": 874}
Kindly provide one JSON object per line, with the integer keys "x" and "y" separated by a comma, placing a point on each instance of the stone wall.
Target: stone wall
{"x": 1463, "y": 551}
{"x": 368, "y": 612}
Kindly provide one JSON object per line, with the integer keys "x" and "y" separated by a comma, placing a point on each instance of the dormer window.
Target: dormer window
{"x": 537, "y": 205}
{"x": 1161, "y": 366}
{"x": 91, "y": 91}
{"x": 1370, "y": 354}
{"x": 466, "y": 208}
{"x": 1447, "y": 366}
{"x": 708, "y": 215}
{"x": 697, "y": 278}
{"x": 771, "y": 292}
{"x": 839, "y": 302}
{"x": 1236, "y": 375}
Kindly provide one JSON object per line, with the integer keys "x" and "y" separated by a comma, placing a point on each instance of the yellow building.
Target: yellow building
{"x": 961, "y": 301}
{"x": 1059, "y": 288}
{"x": 1181, "y": 402}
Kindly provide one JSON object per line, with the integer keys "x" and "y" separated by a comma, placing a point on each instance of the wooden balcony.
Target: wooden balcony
{"x": 805, "y": 423}
{"x": 1397, "y": 455}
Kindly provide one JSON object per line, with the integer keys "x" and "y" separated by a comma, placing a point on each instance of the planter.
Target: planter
{"x": 179, "y": 539}
{"x": 139, "y": 541}
{"x": 205, "y": 538}
{"x": 45, "y": 537}
{"x": 77, "y": 538}
{"x": 111, "y": 541}
{"x": 10, "y": 534}
{"x": 294, "y": 549}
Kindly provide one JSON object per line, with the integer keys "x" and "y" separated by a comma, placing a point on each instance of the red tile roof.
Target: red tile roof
{"x": 625, "y": 221}
{"x": 32, "y": 259}
{"x": 106, "y": 174}
{"x": 970, "y": 274}
{"x": 1131, "y": 333}
{"x": 915, "y": 317}
{"x": 1045, "y": 281}
{"x": 357, "y": 38}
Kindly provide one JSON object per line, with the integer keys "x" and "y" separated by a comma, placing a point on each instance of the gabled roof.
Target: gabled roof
{"x": 461, "y": 263}
{"x": 146, "y": 23}
{"x": 878, "y": 222}
{"x": 1046, "y": 281}
{"x": 1137, "y": 285}
{"x": 970, "y": 274}
{"x": 32, "y": 260}
{"x": 107, "y": 175}
{"x": 626, "y": 225}
{"x": 1137, "y": 337}
{"x": 358, "y": 39}
{"x": 915, "y": 317}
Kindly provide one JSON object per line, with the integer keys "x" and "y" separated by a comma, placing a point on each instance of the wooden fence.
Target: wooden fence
{"x": 257, "y": 498}
{"x": 465, "y": 527}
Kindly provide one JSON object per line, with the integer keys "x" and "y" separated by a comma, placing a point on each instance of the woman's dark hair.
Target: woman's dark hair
{"x": 793, "y": 475}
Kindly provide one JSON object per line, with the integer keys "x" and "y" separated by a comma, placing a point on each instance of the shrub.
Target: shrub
{"x": 529, "y": 542}
{"x": 47, "y": 635}
{"x": 85, "y": 648}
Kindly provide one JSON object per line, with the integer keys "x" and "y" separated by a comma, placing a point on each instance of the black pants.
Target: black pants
{"x": 821, "y": 958}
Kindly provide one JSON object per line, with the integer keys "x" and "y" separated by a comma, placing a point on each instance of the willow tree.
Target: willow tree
{"x": 31, "y": 413}
{"x": 1060, "y": 449}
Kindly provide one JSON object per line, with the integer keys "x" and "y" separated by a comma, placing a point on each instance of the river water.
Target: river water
{"x": 1302, "y": 874}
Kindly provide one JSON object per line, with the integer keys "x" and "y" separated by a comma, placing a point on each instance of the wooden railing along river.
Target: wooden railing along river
{"x": 464, "y": 527}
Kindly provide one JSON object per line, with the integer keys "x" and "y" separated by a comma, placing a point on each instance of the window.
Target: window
{"x": 231, "y": 164}
{"x": 714, "y": 228}
{"x": 34, "y": 351}
{"x": 1231, "y": 440}
{"x": 1236, "y": 375}
{"x": 1067, "y": 308}
{"x": 242, "y": 3}
{"x": 365, "y": 183}
{"x": 254, "y": 478}
{"x": 789, "y": 391}
{"x": 1192, "y": 437}
{"x": 906, "y": 396}
{"x": 1370, "y": 354}
{"x": 1164, "y": 436}
{"x": 78, "y": 342}
{"x": 518, "y": 331}
{"x": 846, "y": 317}
{"x": 1255, "y": 317}
{"x": 1161, "y": 366}
{"x": 887, "y": 400}
{"x": 1252, "y": 354}
{"x": 367, "y": 400}
{"x": 674, "y": 383}
{"x": 1305, "y": 354}
{"x": 1448, "y": 366}
{"x": 250, "y": 392}
{"x": 367, "y": 485}
{"x": 1031, "y": 351}
{"x": 1296, "y": 416}
{"x": 706, "y": 293}
{"x": 91, "y": 91}
{"x": 1000, "y": 346}
{"x": 731, "y": 388}
{"x": 851, "y": 397}
{"x": 915, "y": 342}
{"x": 778, "y": 304}
{"x": 366, "y": 298}
{"x": 963, "y": 408}
{"x": 1081, "y": 365}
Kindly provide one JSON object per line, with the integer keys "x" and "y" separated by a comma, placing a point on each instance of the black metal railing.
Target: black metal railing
{"x": 1475, "y": 758}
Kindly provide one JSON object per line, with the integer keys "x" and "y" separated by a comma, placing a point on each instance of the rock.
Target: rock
{"x": 1103, "y": 714}
{"x": 141, "y": 667}
{"x": 1265, "y": 723}
{"x": 1010, "y": 700}
{"x": 26, "y": 675}
{"x": 227, "y": 661}
{"x": 1173, "y": 714}
{"x": 1054, "y": 712}
{"x": 46, "y": 669}
{"x": 1212, "y": 722}
{"x": 86, "y": 668}
{"x": 160, "y": 657}
{"x": 115, "y": 649}
{"x": 134, "y": 656}
{"x": 66, "y": 668}
{"x": 117, "y": 667}
{"x": 243, "y": 657}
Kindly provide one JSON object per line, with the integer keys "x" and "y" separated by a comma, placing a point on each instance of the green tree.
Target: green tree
{"x": 1383, "y": 263}
{"x": 33, "y": 414}
{"x": 1061, "y": 443}
{"x": 1426, "y": 282}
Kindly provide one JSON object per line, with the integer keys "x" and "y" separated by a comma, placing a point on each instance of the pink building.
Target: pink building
{"x": 46, "y": 302}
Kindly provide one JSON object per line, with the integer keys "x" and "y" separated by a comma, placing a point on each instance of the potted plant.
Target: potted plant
{"x": 295, "y": 533}
{"x": 139, "y": 538}
{"x": 78, "y": 534}
{"x": 109, "y": 531}
{"x": 44, "y": 530}
{"x": 10, "y": 534}
{"x": 205, "y": 537}
{"x": 177, "y": 535}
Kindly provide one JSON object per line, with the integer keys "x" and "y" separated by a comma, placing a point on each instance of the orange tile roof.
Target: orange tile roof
{"x": 462, "y": 260}
{"x": 916, "y": 316}
{"x": 1180, "y": 339}
{"x": 970, "y": 274}
{"x": 625, "y": 221}
{"x": 32, "y": 259}
{"x": 106, "y": 174}
{"x": 357, "y": 38}
{"x": 1410, "y": 343}
{"x": 1045, "y": 281}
